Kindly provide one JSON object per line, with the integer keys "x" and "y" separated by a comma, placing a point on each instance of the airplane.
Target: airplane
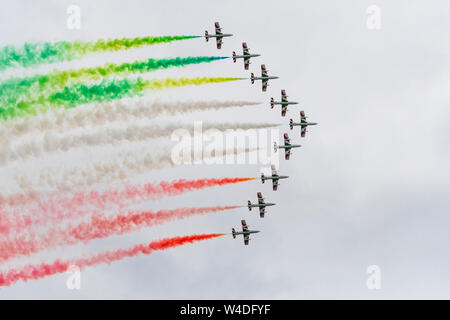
{"x": 245, "y": 55}
{"x": 219, "y": 35}
{"x": 245, "y": 232}
{"x": 287, "y": 146}
{"x": 274, "y": 177}
{"x": 284, "y": 102}
{"x": 264, "y": 77}
{"x": 303, "y": 123}
{"x": 261, "y": 205}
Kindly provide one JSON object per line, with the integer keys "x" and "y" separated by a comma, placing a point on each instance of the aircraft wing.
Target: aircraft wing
{"x": 262, "y": 210}
{"x": 246, "y": 239}
{"x": 246, "y": 63}
{"x": 244, "y": 48}
{"x": 283, "y": 95}
{"x": 287, "y": 153}
{"x": 302, "y": 116}
{"x": 244, "y": 226}
{"x": 218, "y": 29}
{"x": 275, "y": 184}
{"x": 274, "y": 172}
{"x": 264, "y": 84}
{"x": 287, "y": 141}
{"x": 219, "y": 42}
{"x": 303, "y": 132}
{"x": 263, "y": 70}
{"x": 283, "y": 110}
{"x": 260, "y": 198}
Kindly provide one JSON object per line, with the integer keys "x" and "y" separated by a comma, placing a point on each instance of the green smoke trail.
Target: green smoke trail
{"x": 32, "y": 54}
{"x": 107, "y": 90}
{"x": 15, "y": 89}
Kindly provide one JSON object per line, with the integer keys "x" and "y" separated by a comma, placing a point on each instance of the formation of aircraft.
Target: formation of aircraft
{"x": 218, "y": 35}
{"x": 303, "y": 123}
{"x": 284, "y": 103}
{"x": 245, "y": 55}
{"x": 261, "y": 205}
{"x": 287, "y": 146}
{"x": 264, "y": 77}
{"x": 245, "y": 232}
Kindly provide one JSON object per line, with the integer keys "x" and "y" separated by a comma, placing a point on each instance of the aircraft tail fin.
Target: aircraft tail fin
{"x": 233, "y": 232}
{"x": 249, "y": 205}
{"x": 290, "y": 124}
{"x": 275, "y": 146}
{"x": 234, "y": 56}
{"x": 206, "y": 35}
{"x": 252, "y": 78}
{"x": 262, "y": 177}
{"x": 272, "y": 103}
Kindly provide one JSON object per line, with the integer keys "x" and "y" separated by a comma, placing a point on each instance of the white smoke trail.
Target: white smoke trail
{"x": 91, "y": 115}
{"x": 122, "y": 166}
{"x": 51, "y": 142}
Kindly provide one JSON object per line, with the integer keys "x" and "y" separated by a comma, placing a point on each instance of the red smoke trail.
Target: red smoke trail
{"x": 30, "y": 272}
{"x": 97, "y": 228}
{"x": 56, "y": 209}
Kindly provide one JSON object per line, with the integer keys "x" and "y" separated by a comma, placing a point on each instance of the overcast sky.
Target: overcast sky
{"x": 370, "y": 186}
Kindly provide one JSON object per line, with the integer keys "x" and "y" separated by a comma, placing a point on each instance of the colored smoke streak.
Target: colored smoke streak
{"x": 105, "y": 91}
{"x": 16, "y": 89}
{"x": 57, "y": 209}
{"x": 34, "y": 272}
{"x": 98, "y": 227}
{"x": 33, "y": 54}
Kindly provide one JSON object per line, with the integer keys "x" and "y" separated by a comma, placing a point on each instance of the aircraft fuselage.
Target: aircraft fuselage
{"x": 284, "y": 103}
{"x": 265, "y": 78}
{"x": 274, "y": 177}
{"x": 246, "y": 232}
{"x": 247, "y": 56}
{"x": 303, "y": 124}
{"x": 261, "y": 205}
{"x": 223, "y": 35}
{"x": 289, "y": 147}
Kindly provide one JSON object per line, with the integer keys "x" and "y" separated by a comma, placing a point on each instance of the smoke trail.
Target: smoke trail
{"x": 122, "y": 166}
{"x": 12, "y": 91}
{"x": 36, "y": 147}
{"x": 61, "y": 120}
{"x": 32, "y": 54}
{"x": 56, "y": 208}
{"x": 107, "y": 90}
{"x": 100, "y": 226}
{"x": 35, "y": 272}
{"x": 74, "y": 179}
